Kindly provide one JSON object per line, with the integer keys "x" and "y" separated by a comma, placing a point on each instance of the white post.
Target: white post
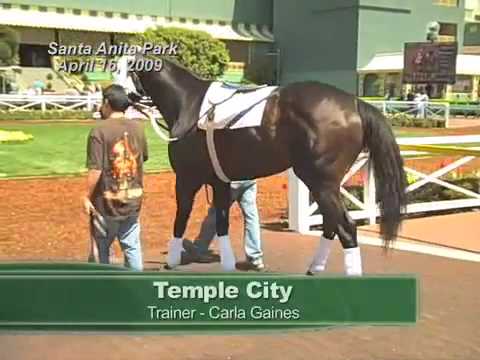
{"x": 298, "y": 204}
{"x": 369, "y": 193}
{"x": 43, "y": 104}
{"x": 384, "y": 108}
{"x": 447, "y": 115}
{"x": 90, "y": 102}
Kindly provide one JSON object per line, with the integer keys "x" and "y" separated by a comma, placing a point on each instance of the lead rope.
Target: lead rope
{"x": 140, "y": 108}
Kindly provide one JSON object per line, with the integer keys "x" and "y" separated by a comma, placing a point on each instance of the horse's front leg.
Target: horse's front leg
{"x": 185, "y": 193}
{"x": 222, "y": 201}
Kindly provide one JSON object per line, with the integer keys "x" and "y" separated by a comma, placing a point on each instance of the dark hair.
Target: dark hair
{"x": 117, "y": 97}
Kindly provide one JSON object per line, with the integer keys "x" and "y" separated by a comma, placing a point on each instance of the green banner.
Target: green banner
{"x": 191, "y": 302}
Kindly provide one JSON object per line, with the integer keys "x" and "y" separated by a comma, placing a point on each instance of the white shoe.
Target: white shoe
{"x": 174, "y": 257}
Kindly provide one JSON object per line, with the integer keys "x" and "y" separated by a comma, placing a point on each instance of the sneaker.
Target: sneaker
{"x": 256, "y": 264}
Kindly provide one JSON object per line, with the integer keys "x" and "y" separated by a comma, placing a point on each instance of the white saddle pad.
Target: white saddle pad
{"x": 231, "y": 104}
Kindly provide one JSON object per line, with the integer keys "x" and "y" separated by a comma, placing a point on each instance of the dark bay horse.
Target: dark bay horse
{"x": 315, "y": 128}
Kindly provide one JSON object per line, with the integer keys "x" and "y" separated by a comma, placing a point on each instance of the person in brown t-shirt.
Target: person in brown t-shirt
{"x": 116, "y": 151}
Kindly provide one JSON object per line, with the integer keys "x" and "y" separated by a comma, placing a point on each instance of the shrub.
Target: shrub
{"x": 197, "y": 50}
{"x": 14, "y": 137}
{"x": 46, "y": 115}
{"x": 9, "y": 46}
{"x": 404, "y": 120}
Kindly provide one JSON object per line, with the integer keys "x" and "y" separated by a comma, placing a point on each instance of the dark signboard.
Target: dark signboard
{"x": 426, "y": 62}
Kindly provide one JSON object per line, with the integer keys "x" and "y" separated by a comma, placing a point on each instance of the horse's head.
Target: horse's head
{"x": 170, "y": 87}
{"x": 127, "y": 75}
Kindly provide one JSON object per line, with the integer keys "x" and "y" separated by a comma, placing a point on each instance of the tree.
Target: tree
{"x": 9, "y": 45}
{"x": 197, "y": 50}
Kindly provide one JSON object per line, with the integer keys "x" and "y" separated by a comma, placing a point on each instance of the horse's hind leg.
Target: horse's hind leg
{"x": 337, "y": 220}
{"x": 185, "y": 193}
{"x": 325, "y": 189}
{"x": 320, "y": 259}
{"x": 222, "y": 201}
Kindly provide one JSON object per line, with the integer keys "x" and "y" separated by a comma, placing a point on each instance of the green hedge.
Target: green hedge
{"x": 46, "y": 115}
{"x": 403, "y": 120}
{"x": 197, "y": 50}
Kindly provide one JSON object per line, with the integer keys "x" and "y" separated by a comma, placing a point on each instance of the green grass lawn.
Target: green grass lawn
{"x": 59, "y": 149}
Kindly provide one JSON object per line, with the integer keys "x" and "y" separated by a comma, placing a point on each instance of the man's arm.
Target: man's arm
{"x": 93, "y": 177}
{"x": 94, "y": 165}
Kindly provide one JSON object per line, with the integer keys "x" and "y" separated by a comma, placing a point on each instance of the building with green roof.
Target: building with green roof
{"x": 353, "y": 44}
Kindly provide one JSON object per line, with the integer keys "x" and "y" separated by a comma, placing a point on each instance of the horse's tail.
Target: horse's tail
{"x": 390, "y": 179}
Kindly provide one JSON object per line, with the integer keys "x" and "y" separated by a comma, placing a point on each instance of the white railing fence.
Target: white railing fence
{"x": 301, "y": 210}
{"x": 431, "y": 110}
{"x": 13, "y": 102}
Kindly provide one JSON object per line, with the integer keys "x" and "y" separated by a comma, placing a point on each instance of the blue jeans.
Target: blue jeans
{"x": 128, "y": 233}
{"x": 246, "y": 196}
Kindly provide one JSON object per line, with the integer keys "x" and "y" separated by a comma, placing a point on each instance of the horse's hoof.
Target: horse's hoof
{"x": 168, "y": 267}
{"x": 309, "y": 273}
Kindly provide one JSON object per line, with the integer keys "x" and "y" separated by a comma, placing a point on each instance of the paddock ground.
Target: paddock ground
{"x": 448, "y": 329}
{"x": 41, "y": 219}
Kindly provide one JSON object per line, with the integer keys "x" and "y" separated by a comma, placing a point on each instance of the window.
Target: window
{"x": 93, "y": 13}
{"x": 448, "y": 32}
{"x": 124, "y": 15}
{"x": 25, "y": 7}
{"x": 42, "y": 9}
{"x": 463, "y": 84}
{"x": 7, "y": 6}
{"x": 451, "y": 3}
{"x": 139, "y": 17}
{"x": 392, "y": 84}
{"x": 372, "y": 85}
{"x": 77, "y": 12}
{"x": 108, "y": 14}
{"x": 60, "y": 10}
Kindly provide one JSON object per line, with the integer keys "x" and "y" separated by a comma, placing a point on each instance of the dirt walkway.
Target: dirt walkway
{"x": 41, "y": 219}
{"x": 449, "y": 327}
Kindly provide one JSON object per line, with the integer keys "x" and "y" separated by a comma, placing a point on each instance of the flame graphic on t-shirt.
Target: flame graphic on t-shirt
{"x": 124, "y": 165}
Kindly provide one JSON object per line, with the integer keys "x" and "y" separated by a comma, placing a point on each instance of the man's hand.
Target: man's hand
{"x": 88, "y": 206}
{"x": 93, "y": 176}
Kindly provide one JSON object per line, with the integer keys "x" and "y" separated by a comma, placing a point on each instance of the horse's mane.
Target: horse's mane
{"x": 174, "y": 63}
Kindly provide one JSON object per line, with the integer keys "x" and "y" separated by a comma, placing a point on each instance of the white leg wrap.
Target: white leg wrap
{"x": 319, "y": 262}
{"x": 227, "y": 257}
{"x": 175, "y": 248}
{"x": 353, "y": 262}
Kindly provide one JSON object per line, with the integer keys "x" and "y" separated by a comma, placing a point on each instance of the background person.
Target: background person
{"x": 116, "y": 151}
{"x": 245, "y": 193}
{"x": 421, "y": 100}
